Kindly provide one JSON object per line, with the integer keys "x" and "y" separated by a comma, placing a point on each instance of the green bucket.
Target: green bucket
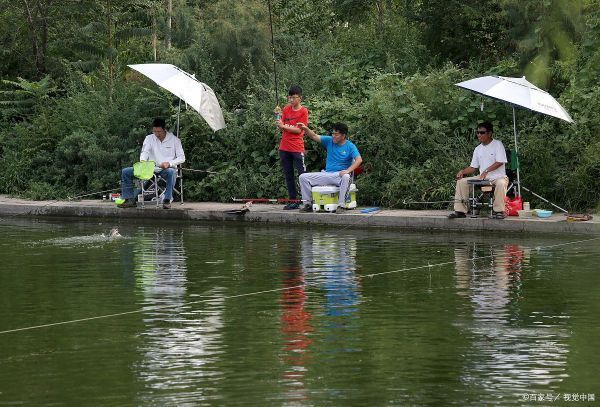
{"x": 143, "y": 169}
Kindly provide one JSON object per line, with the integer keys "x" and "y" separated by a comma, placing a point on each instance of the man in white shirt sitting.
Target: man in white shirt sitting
{"x": 490, "y": 158}
{"x": 166, "y": 151}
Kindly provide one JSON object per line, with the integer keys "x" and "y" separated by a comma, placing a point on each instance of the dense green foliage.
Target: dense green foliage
{"x": 73, "y": 114}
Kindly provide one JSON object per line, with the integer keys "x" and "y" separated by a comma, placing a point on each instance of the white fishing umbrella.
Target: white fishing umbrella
{"x": 517, "y": 92}
{"x": 186, "y": 87}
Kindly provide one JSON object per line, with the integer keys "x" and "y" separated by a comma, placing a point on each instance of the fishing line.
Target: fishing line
{"x": 362, "y": 219}
{"x": 428, "y": 266}
{"x": 407, "y": 202}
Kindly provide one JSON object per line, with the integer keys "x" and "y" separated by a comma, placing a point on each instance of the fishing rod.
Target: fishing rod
{"x": 405, "y": 202}
{"x": 92, "y": 193}
{"x": 544, "y": 199}
{"x": 273, "y": 53}
{"x": 205, "y": 171}
{"x": 70, "y": 198}
{"x": 266, "y": 200}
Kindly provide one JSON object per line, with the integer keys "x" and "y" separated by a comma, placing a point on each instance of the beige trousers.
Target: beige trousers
{"x": 463, "y": 193}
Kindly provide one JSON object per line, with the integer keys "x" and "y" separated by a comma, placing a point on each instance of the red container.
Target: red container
{"x": 512, "y": 205}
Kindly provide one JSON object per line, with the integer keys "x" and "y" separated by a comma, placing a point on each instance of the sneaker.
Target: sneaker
{"x": 306, "y": 208}
{"x": 129, "y": 203}
{"x": 340, "y": 210}
{"x": 166, "y": 204}
{"x": 291, "y": 205}
{"x": 498, "y": 215}
{"x": 455, "y": 215}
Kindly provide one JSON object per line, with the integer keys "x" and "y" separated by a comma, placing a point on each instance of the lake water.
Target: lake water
{"x": 213, "y": 314}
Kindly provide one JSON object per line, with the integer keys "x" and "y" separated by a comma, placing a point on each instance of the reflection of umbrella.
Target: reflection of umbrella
{"x": 183, "y": 85}
{"x": 520, "y": 92}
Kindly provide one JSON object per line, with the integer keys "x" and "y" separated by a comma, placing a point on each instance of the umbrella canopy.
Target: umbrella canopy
{"x": 183, "y": 85}
{"x": 518, "y": 91}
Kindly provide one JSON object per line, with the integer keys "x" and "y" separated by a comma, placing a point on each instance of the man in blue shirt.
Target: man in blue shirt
{"x": 342, "y": 158}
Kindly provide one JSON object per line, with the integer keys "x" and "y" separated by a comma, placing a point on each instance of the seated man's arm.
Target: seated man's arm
{"x": 486, "y": 171}
{"x": 357, "y": 162}
{"x": 314, "y": 136}
{"x": 179, "y": 154}
{"x": 465, "y": 171}
{"x": 146, "y": 148}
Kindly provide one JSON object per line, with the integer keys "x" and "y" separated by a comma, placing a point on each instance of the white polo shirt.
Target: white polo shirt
{"x": 169, "y": 150}
{"x": 484, "y": 156}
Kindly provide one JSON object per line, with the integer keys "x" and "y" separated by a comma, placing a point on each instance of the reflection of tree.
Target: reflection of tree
{"x": 505, "y": 356}
{"x": 177, "y": 343}
{"x": 160, "y": 266}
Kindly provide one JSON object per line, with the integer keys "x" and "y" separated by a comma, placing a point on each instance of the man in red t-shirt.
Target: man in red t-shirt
{"x": 291, "y": 147}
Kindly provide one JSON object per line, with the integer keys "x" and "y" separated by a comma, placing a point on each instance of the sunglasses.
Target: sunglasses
{"x": 481, "y": 131}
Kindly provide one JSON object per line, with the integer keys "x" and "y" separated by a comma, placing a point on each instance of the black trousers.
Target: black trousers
{"x": 289, "y": 160}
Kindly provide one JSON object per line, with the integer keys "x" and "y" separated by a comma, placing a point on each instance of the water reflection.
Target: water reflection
{"x": 295, "y": 321}
{"x": 511, "y": 352}
{"x": 323, "y": 265}
{"x": 331, "y": 261}
{"x": 180, "y": 341}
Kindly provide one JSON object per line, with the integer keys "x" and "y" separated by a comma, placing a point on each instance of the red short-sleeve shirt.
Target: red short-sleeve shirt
{"x": 290, "y": 141}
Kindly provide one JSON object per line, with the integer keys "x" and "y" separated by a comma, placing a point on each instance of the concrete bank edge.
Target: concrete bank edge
{"x": 382, "y": 219}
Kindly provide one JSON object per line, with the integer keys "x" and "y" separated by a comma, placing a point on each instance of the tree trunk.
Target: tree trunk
{"x": 154, "y": 35}
{"x": 111, "y": 66}
{"x": 169, "y": 22}
{"x": 380, "y": 4}
{"x": 38, "y": 45}
{"x": 44, "y": 12}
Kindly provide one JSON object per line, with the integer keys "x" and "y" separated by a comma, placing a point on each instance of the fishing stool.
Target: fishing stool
{"x": 482, "y": 194}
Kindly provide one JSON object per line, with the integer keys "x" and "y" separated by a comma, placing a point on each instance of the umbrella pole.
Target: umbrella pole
{"x": 178, "y": 111}
{"x": 516, "y": 151}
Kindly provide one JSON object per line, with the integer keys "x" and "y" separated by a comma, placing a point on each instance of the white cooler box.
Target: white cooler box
{"x": 325, "y": 198}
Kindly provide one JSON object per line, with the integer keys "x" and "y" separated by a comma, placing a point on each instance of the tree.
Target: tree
{"x": 545, "y": 33}
{"x": 25, "y": 98}
{"x": 103, "y": 37}
{"x": 460, "y": 30}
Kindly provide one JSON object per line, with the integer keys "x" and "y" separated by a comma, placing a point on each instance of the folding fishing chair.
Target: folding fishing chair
{"x": 512, "y": 166}
{"x": 143, "y": 171}
{"x": 153, "y": 189}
